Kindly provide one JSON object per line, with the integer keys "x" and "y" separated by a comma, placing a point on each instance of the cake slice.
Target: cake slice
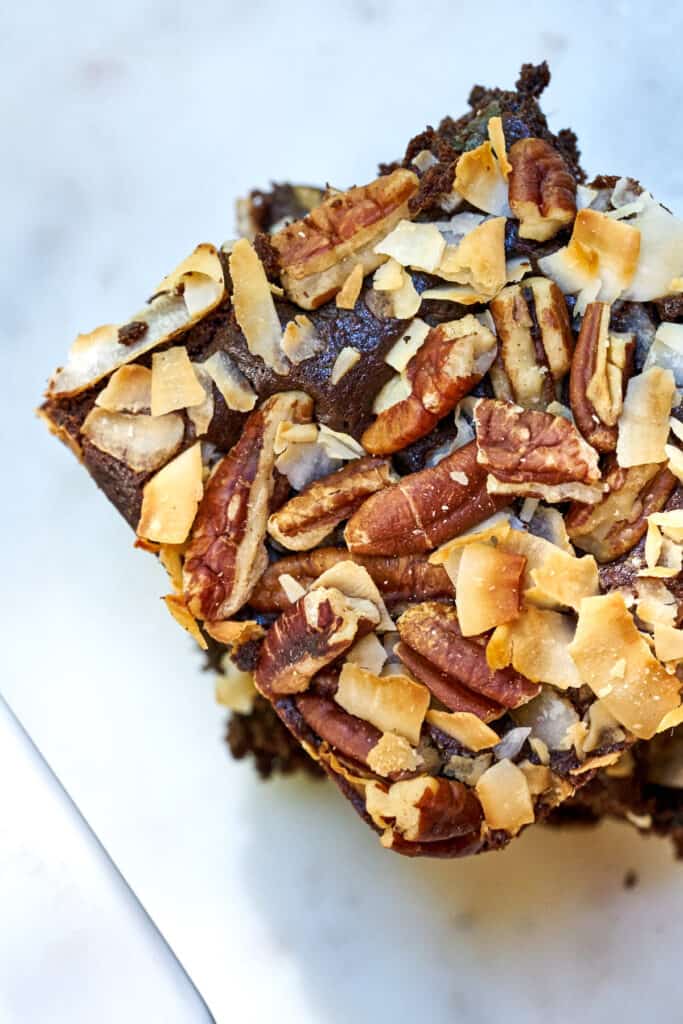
{"x": 394, "y": 456}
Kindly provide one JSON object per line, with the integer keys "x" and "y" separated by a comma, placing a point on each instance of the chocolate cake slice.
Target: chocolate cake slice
{"x": 397, "y": 456}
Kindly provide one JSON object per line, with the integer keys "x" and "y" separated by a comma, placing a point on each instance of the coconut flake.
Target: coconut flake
{"x": 347, "y": 296}
{"x": 504, "y": 795}
{"x": 667, "y": 351}
{"x": 606, "y": 634}
{"x": 345, "y": 361}
{"x": 170, "y": 499}
{"x": 644, "y": 421}
{"x": 254, "y": 307}
{"x": 536, "y": 644}
{"x": 339, "y": 445}
{"x": 480, "y": 180}
{"x": 420, "y": 246}
{"x": 143, "y": 442}
{"x": 551, "y": 718}
{"x": 174, "y": 382}
{"x": 395, "y": 390}
{"x": 368, "y": 653}
{"x": 234, "y": 688}
{"x": 194, "y": 288}
{"x": 300, "y": 341}
{"x": 236, "y": 390}
{"x": 390, "y": 703}
{"x": 129, "y": 389}
{"x": 511, "y": 745}
{"x": 405, "y": 347}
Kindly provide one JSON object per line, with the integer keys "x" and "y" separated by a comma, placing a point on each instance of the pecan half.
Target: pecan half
{"x": 312, "y": 633}
{"x": 616, "y": 524}
{"x": 424, "y": 810}
{"x": 541, "y": 189}
{"x": 318, "y": 253}
{"x": 226, "y": 554}
{"x": 345, "y": 733}
{"x": 535, "y": 342}
{"x": 601, "y": 366}
{"x": 453, "y": 359}
{"x": 431, "y": 629}
{"x": 424, "y": 509}
{"x": 307, "y": 519}
{"x": 447, "y": 689}
{"x": 534, "y": 453}
{"x": 410, "y": 577}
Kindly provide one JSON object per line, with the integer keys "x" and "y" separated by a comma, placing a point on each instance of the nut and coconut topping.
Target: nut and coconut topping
{"x": 452, "y": 649}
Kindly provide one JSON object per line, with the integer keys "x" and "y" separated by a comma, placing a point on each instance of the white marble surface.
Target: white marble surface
{"x": 128, "y": 130}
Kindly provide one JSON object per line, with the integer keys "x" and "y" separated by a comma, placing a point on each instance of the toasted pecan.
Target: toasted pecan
{"x": 424, "y": 509}
{"x": 542, "y": 190}
{"x": 226, "y": 554}
{"x": 305, "y": 521}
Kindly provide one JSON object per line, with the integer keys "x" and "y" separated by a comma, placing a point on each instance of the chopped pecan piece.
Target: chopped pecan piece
{"x": 345, "y": 733}
{"x": 601, "y": 366}
{"x": 616, "y": 524}
{"x": 424, "y": 810}
{"x": 535, "y": 342}
{"x": 424, "y": 509}
{"x": 542, "y": 190}
{"x": 453, "y": 359}
{"x": 318, "y": 253}
{"x": 226, "y": 553}
{"x": 534, "y": 453}
{"x": 431, "y": 629}
{"x": 317, "y": 629}
{"x": 307, "y": 519}
{"x": 410, "y": 577}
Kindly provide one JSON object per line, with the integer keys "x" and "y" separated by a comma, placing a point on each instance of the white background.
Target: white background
{"x": 128, "y": 129}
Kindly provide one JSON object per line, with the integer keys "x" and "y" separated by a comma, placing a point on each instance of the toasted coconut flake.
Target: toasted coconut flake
{"x": 504, "y": 794}
{"x": 234, "y": 688}
{"x": 347, "y": 296}
{"x": 300, "y": 341}
{"x": 675, "y": 457}
{"x": 404, "y": 302}
{"x": 143, "y": 442}
{"x": 345, "y": 361}
{"x": 601, "y": 257}
{"x": 480, "y": 180}
{"x": 671, "y": 523}
{"x": 185, "y": 296}
{"x": 466, "y": 728}
{"x": 551, "y": 717}
{"x": 561, "y": 580}
{"x": 236, "y": 390}
{"x": 661, "y": 250}
{"x": 254, "y": 307}
{"x": 538, "y": 776}
{"x": 644, "y": 421}
{"x": 304, "y": 463}
{"x": 606, "y": 634}
{"x": 388, "y": 277}
{"x": 294, "y": 433}
{"x": 668, "y": 643}
{"x": 368, "y": 653}
{"x": 355, "y": 581}
{"x": 667, "y": 350}
{"x": 390, "y": 703}
{"x": 339, "y": 445}
{"x": 671, "y": 719}
{"x": 464, "y": 295}
{"x": 602, "y": 728}
{"x": 129, "y": 389}
{"x": 420, "y": 246}
{"x": 497, "y": 140}
{"x": 392, "y": 754}
{"x": 403, "y": 350}
{"x": 171, "y": 497}
{"x": 170, "y": 558}
{"x": 234, "y": 634}
{"x": 488, "y": 588}
{"x": 536, "y": 644}
{"x": 202, "y": 413}
{"x": 184, "y": 617}
{"x": 395, "y": 390}
{"x": 174, "y": 383}
{"x": 292, "y": 588}
{"x": 479, "y": 260}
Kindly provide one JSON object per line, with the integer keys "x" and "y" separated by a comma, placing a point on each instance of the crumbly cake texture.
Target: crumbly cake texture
{"x": 412, "y": 462}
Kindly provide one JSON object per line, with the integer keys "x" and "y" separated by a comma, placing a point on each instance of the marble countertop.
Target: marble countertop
{"x": 127, "y": 135}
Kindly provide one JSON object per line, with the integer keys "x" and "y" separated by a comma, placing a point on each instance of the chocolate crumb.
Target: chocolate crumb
{"x": 132, "y": 332}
